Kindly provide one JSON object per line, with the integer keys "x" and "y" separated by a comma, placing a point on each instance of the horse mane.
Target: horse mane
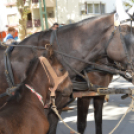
{"x": 82, "y": 22}
{"x": 35, "y": 34}
{"x": 27, "y": 38}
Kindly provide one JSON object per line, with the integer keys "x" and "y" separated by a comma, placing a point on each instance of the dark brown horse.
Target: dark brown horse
{"x": 24, "y": 112}
{"x": 102, "y": 79}
{"x": 98, "y": 78}
{"x": 91, "y": 46}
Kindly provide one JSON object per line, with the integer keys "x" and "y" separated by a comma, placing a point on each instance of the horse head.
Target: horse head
{"x": 59, "y": 74}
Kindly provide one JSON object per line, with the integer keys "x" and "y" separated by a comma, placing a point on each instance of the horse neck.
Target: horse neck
{"x": 39, "y": 81}
{"x": 26, "y": 97}
{"x": 84, "y": 41}
{"x": 21, "y": 58}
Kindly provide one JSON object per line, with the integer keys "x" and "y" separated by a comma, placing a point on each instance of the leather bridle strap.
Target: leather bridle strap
{"x": 77, "y": 72}
{"x": 111, "y": 37}
{"x": 8, "y": 69}
{"x": 51, "y": 73}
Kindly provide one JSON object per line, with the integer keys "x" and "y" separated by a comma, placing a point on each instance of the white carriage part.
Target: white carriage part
{"x": 121, "y": 13}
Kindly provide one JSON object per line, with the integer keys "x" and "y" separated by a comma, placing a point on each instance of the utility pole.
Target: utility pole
{"x": 43, "y": 13}
{"x": 100, "y": 8}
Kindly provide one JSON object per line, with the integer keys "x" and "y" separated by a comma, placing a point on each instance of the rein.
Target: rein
{"x": 93, "y": 65}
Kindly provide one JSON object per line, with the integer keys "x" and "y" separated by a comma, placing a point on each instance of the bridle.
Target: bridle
{"x": 128, "y": 73}
{"x": 128, "y": 58}
{"x": 52, "y": 78}
{"x": 51, "y": 74}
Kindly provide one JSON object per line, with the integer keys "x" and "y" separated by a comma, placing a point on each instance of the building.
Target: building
{"x": 33, "y": 22}
{"x": 69, "y": 11}
{"x": 61, "y": 11}
{"x": 9, "y": 15}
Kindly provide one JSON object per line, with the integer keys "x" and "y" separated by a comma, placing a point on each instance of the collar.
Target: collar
{"x": 36, "y": 93}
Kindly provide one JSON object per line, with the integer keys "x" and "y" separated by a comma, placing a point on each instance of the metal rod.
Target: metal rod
{"x": 41, "y": 16}
{"x": 45, "y": 10}
{"x": 114, "y": 91}
{"x": 108, "y": 91}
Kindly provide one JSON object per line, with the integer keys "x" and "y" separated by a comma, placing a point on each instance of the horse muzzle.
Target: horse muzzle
{"x": 67, "y": 91}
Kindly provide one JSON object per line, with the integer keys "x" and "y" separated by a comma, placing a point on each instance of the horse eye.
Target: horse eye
{"x": 61, "y": 69}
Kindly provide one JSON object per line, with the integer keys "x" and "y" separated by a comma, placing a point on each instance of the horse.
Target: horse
{"x": 114, "y": 52}
{"x": 24, "y": 111}
{"x": 102, "y": 79}
{"x": 98, "y": 78}
{"x": 89, "y": 44}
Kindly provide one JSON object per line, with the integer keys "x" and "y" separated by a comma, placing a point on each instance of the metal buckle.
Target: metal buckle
{"x": 129, "y": 73}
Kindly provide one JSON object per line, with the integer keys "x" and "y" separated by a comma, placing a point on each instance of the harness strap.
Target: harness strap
{"x": 111, "y": 37}
{"x": 52, "y": 37}
{"x": 125, "y": 49}
{"x": 8, "y": 71}
{"x": 122, "y": 41}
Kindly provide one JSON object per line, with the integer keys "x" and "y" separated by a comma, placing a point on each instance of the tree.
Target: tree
{"x": 129, "y": 4}
{"x": 23, "y": 11}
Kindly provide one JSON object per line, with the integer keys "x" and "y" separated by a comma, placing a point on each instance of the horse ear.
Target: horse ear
{"x": 120, "y": 10}
{"x": 49, "y": 49}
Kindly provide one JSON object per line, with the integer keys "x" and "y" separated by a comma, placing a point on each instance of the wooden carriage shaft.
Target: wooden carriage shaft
{"x": 103, "y": 92}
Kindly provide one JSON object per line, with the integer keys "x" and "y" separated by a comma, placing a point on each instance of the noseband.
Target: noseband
{"x": 51, "y": 74}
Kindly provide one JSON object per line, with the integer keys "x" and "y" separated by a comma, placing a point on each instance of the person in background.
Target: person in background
{"x": 11, "y": 32}
{"x": 9, "y": 39}
{"x": 55, "y": 26}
